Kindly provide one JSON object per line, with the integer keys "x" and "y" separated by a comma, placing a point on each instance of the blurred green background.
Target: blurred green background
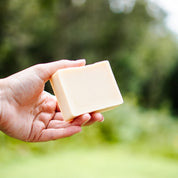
{"x": 139, "y": 139}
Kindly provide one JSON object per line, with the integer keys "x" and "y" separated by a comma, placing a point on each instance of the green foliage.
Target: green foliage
{"x": 129, "y": 125}
{"x": 142, "y": 52}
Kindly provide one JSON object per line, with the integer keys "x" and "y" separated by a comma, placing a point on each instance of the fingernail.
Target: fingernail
{"x": 99, "y": 115}
{"x": 81, "y": 60}
{"x": 80, "y": 130}
{"x": 89, "y": 117}
{"x": 102, "y": 120}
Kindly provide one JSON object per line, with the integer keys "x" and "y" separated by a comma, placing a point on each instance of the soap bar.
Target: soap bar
{"x": 86, "y": 89}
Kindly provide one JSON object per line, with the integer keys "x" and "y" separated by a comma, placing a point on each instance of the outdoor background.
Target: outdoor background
{"x": 139, "y": 139}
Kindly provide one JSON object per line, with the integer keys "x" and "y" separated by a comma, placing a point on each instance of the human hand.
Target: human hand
{"x": 29, "y": 113}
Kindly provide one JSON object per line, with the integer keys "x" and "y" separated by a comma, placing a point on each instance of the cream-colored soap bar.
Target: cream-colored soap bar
{"x": 86, "y": 89}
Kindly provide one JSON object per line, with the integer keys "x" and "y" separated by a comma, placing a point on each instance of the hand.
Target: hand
{"x": 29, "y": 113}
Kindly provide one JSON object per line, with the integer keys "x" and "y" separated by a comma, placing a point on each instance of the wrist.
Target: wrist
{"x": 0, "y": 102}
{"x": 2, "y": 94}
{"x": 1, "y": 91}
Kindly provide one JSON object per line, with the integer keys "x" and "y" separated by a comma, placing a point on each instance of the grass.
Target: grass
{"x": 140, "y": 144}
{"x": 105, "y": 162}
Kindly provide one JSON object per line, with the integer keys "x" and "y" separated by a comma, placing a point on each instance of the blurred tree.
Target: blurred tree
{"x": 128, "y": 33}
{"x": 171, "y": 88}
{"x": 3, "y": 10}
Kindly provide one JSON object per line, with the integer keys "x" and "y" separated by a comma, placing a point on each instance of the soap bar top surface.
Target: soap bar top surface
{"x": 86, "y": 89}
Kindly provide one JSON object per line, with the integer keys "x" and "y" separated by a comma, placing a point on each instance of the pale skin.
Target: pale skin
{"x": 29, "y": 113}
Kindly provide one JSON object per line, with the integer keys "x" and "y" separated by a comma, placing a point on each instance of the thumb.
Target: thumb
{"x": 46, "y": 70}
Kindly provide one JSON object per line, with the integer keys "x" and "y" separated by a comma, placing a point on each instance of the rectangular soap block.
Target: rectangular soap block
{"x": 86, "y": 89}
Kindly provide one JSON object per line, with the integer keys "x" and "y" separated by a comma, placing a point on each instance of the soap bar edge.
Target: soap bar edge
{"x": 58, "y": 85}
